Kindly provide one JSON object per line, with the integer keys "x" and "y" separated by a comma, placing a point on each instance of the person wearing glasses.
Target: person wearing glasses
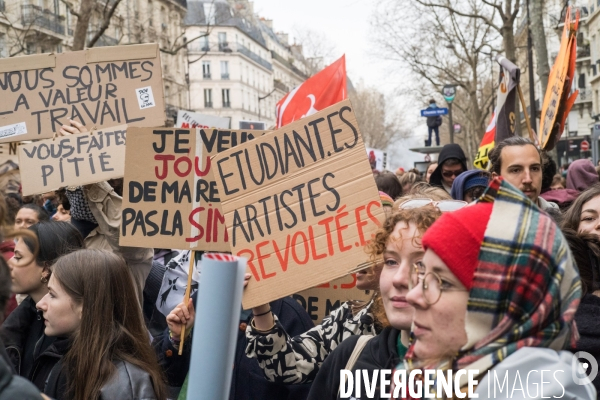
{"x": 398, "y": 244}
{"x": 496, "y": 291}
{"x": 451, "y": 163}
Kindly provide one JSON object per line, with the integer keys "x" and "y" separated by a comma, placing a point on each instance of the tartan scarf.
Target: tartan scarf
{"x": 525, "y": 288}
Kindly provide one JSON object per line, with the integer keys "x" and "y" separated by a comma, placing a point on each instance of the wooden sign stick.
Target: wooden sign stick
{"x": 531, "y": 133}
{"x": 186, "y": 298}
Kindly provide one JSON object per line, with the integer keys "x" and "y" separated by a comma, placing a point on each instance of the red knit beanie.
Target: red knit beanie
{"x": 456, "y": 238}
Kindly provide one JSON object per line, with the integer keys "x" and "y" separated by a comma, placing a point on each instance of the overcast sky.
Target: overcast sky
{"x": 346, "y": 23}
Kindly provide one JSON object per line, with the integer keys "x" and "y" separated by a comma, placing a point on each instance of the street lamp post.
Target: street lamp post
{"x": 262, "y": 98}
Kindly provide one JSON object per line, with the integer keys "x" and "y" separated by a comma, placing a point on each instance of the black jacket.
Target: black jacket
{"x": 23, "y": 336}
{"x": 247, "y": 382}
{"x": 15, "y": 387}
{"x": 448, "y": 151}
{"x": 588, "y": 325}
{"x": 379, "y": 353}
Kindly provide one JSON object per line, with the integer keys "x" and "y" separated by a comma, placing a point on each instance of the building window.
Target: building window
{"x": 208, "y": 98}
{"x": 222, "y": 40}
{"x": 226, "y": 102}
{"x": 224, "y": 69}
{"x": 204, "y": 44}
{"x": 209, "y": 13}
{"x": 206, "y": 69}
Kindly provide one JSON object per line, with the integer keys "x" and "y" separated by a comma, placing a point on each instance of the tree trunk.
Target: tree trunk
{"x": 538, "y": 36}
{"x": 80, "y": 35}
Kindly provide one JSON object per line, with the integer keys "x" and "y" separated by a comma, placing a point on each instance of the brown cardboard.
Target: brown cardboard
{"x": 73, "y": 160}
{"x": 286, "y": 253}
{"x": 320, "y": 301}
{"x": 99, "y": 88}
{"x": 9, "y": 152}
{"x": 186, "y": 154}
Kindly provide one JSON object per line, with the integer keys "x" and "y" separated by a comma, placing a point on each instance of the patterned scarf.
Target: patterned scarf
{"x": 525, "y": 289}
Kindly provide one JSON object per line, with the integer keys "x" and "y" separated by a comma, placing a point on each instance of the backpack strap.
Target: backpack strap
{"x": 358, "y": 348}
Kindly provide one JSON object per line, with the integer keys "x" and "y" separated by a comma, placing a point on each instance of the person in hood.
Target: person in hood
{"x": 498, "y": 294}
{"x": 470, "y": 185}
{"x": 451, "y": 163}
{"x": 433, "y": 124}
{"x": 581, "y": 175}
{"x": 520, "y": 162}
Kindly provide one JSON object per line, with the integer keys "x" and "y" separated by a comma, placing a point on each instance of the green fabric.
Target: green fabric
{"x": 183, "y": 392}
{"x": 400, "y": 347}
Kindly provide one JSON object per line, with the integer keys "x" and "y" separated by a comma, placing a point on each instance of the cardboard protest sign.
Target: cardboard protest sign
{"x": 189, "y": 119}
{"x": 299, "y": 203}
{"x": 170, "y": 199}
{"x": 9, "y": 152}
{"x": 98, "y": 87}
{"x": 73, "y": 160}
{"x": 320, "y": 301}
{"x": 377, "y": 159}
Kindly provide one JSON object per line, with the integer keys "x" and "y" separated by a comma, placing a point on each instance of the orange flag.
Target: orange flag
{"x": 482, "y": 160}
{"x": 557, "y": 102}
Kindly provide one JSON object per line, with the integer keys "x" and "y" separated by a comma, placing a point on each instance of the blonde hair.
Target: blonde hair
{"x": 423, "y": 190}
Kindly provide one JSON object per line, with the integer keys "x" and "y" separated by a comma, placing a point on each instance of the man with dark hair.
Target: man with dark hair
{"x": 433, "y": 124}
{"x": 451, "y": 163}
{"x": 520, "y": 163}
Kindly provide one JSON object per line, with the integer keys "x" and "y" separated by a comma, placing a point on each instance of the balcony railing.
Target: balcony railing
{"x": 226, "y": 104}
{"x": 206, "y": 75}
{"x": 287, "y": 64}
{"x": 224, "y": 46}
{"x": 280, "y": 85}
{"x": 208, "y": 104}
{"x": 585, "y": 94}
{"x": 225, "y": 76}
{"x": 33, "y": 15}
{"x": 583, "y": 51}
{"x": 254, "y": 57}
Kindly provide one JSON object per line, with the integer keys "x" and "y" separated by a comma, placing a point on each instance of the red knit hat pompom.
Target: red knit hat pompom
{"x": 456, "y": 238}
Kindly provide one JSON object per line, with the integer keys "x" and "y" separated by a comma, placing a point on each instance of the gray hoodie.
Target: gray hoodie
{"x": 520, "y": 375}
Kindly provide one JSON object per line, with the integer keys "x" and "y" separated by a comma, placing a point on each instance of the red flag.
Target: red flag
{"x": 320, "y": 91}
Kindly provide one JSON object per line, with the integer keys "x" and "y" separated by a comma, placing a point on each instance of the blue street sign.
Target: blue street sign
{"x": 434, "y": 113}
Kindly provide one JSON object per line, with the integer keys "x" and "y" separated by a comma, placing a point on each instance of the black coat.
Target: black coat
{"x": 587, "y": 319}
{"x": 13, "y": 386}
{"x": 247, "y": 382}
{"x": 381, "y": 352}
{"x": 448, "y": 151}
{"x": 26, "y": 345}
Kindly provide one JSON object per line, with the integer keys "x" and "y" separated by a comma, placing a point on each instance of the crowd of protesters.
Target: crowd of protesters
{"x": 492, "y": 270}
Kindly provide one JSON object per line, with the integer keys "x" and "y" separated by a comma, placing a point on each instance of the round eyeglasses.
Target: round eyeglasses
{"x": 431, "y": 283}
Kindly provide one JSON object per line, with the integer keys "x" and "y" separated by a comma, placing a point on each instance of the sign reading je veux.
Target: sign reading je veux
{"x": 170, "y": 199}
{"x": 299, "y": 203}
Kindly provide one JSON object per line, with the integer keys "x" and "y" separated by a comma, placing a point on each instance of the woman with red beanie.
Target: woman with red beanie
{"x": 496, "y": 292}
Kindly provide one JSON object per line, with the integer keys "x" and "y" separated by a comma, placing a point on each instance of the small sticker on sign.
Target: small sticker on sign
{"x": 145, "y": 97}
{"x": 13, "y": 130}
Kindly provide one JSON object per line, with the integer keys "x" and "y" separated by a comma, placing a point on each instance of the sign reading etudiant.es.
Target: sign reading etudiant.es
{"x": 101, "y": 87}
{"x": 299, "y": 203}
{"x": 170, "y": 199}
{"x": 72, "y": 160}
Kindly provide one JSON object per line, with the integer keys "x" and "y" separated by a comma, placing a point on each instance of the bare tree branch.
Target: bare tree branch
{"x": 70, "y": 8}
{"x": 105, "y": 22}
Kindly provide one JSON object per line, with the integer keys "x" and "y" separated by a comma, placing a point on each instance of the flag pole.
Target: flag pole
{"x": 527, "y": 121}
{"x": 186, "y": 298}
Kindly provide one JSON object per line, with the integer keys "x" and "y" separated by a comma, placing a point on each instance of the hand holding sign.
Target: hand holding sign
{"x": 72, "y": 129}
